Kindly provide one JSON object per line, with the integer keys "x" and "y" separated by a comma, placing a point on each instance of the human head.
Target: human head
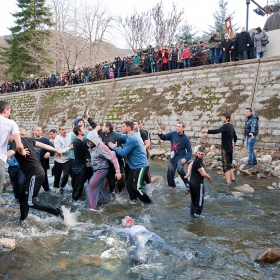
{"x": 136, "y": 125}
{"x": 258, "y": 30}
{"x": 180, "y": 127}
{"x": 79, "y": 130}
{"x": 194, "y": 43}
{"x": 226, "y": 36}
{"x": 127, "y": 222}
{"x": 52, "y": 133}
{"x": 5, "y": 108}
{"x": 127, "y": 127}
{"x": 140, "y": 123}
{"x": 22, "y": 132}
{"x": 226, "y": 117}
{"x": 214, "y": 31}
{"x": 243, "y": 29}
{"x": 107, "y": 127}
{"x": 93, "y": 139}
{"x": 200, "y": 152}
{"x": 248, "y": 112}
{"x": 79, "y": 121}
{"x": 37, "y": 132}
{"x": 62, "y": 130}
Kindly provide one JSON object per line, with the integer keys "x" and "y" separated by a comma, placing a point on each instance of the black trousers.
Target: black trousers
{"x": 134, "y": 183}
{"x": 197, "y": 198}
{"x": 78, "y": 173}
{"x": 112, "y": 180}
{"x": 17, "y": 179}
{"x": 28, "y": 196}
{"x": 57, "y": 171}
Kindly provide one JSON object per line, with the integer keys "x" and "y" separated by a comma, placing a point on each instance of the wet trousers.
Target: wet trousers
{"x": 197, "y": 198}
{"x": 172, "y": 166}
{"x": 28, "y": 196}
{"x": 95, "y": 187}
{"x": 78, "y": 173}
{"x": 134, "y": 183}
{"x": 58, "y": 169}
{"x": 17, "y": 179}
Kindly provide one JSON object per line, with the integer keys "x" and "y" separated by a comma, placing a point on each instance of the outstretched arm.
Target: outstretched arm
{"x": 48, "y": 148}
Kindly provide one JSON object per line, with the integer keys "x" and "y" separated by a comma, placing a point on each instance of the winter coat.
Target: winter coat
{"x": 243, "y": 38}
{"x": 214, "y": 41}
{"x": 251, "y": 125}
{"x": 186, "y": 53}
{"x": 258, "y": 42}
{"x": 227, "y": 44}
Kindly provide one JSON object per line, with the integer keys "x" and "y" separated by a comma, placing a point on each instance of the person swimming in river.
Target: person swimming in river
{"x": 142, "y": 237}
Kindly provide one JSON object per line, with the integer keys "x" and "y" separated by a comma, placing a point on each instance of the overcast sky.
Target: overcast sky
{"x": 197, "y": 12}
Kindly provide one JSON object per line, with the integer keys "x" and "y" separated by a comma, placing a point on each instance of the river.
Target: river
{"x": 221, "y": 245}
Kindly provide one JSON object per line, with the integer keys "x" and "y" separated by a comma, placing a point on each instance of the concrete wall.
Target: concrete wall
{"x": 197, "y": 96}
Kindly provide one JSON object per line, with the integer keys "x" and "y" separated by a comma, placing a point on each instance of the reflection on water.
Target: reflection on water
{"x": 222, "y": 245}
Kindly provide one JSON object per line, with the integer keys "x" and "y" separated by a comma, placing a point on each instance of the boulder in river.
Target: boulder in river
{"x": 157, "y": 152}
{"x": 245, "y": 188}
{"x": 271, "y": 255}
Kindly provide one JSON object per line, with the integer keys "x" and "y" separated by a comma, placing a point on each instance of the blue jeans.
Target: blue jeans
{"x": 261, "y": 54}
{"x": 186, "y": 63}
{"x": 214, "y": 56}
{"x": 86, "y": 80}
{"x": 250, "y": 143}
{"x": 17, "y": 179}
{"x": 172, "y": 166}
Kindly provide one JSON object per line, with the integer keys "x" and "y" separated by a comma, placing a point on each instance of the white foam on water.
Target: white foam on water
{"x": 114, "y": 253}
{"x": 69, "y": 218}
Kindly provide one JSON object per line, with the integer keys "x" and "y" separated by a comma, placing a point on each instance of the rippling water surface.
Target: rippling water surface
{"x": 222, "y": 245}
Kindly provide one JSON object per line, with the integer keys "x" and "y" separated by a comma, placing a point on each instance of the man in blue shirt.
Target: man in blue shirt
{"x": 181, "y": 153}
{"x": 137, "y": 162}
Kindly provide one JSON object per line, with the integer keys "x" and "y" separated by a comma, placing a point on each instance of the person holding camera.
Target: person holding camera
{"x": 214, "y": 42}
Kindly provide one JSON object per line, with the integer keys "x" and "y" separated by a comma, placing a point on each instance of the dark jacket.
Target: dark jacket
{"x": 243, "y": 38}
{"x": 251, "y": 125}
{"x": 227, "y": 44}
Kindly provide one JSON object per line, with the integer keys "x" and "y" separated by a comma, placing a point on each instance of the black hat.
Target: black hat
{"x": 185, "y": 42}
{"x": 201, "y": 42}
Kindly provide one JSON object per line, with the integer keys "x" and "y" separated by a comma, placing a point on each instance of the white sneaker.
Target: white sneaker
{"x": 3, "y": 201}
{"x": 134, "y": 201}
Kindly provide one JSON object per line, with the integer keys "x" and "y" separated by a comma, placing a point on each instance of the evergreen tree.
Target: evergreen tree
{"x": 26, "y": 52}
{"x": 186, "y": 33}
{"x": 219, "y": 18}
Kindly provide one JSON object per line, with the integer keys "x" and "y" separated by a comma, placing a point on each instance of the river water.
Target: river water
{"x": 221, "y": 245}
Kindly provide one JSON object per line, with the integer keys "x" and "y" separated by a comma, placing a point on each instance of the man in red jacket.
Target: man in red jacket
{"x": 186, "y": 55}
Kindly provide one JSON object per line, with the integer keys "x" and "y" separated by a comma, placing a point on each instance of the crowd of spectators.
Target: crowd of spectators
{"x": 216, "y": 50}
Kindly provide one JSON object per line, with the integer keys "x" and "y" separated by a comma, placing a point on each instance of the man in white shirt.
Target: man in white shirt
{"x": 7, "y": 127}
{"x": 62, "y": 144}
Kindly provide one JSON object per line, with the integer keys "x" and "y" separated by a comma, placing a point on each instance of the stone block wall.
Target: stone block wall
{"x": 197, "y": 96}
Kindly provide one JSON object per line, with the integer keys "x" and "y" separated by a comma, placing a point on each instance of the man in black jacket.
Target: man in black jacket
{"x": 226, "y": 45}
{"x": 228, "y": 134}
{"x": 243, "y": 43}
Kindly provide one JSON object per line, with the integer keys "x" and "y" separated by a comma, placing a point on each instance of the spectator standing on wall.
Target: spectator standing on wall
{"x": 243, "y": 43}
{"x": 214, "y": 41}
{"x": 259, "y": 39}
{"x": 186, "y": 55}
{"x": 226, "y": 45}
{"x": 252, "y": 45}
{"x": 53, "y": 79}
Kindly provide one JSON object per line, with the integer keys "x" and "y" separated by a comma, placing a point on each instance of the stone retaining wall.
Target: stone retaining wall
{"x": 197, "y": 96}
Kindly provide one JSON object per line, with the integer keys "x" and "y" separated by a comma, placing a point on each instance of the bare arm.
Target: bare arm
{"x": 48, "y": 148}
{"x": 19, "y": 145}
{"x": 204, "y": 174}
{"x": 189, "y": 170}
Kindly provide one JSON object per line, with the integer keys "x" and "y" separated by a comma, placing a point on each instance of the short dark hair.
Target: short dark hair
{"x": 227, "y": 115}
{"x": 248, "y": 108}
{"x": 53, "y": 130}
{"x": 3, "y": 105}
{"x": 76, "y": 129}
{"x": 109, "y": 125}
{"x": 130, "y": 124}
{"x": 183, "y": 125}
{"x": 201, "y": 149}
